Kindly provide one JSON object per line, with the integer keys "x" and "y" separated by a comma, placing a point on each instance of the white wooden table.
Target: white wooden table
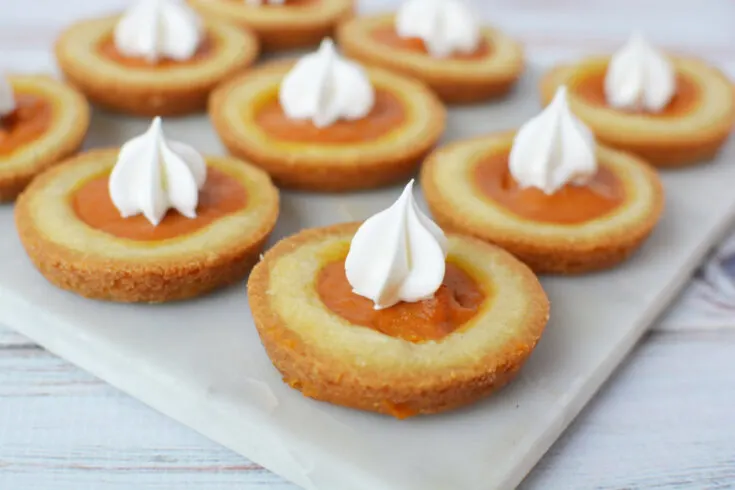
{"x": 664, "y": 421}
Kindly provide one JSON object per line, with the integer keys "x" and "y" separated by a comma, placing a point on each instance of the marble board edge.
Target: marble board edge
{"x": 32, "y": 322}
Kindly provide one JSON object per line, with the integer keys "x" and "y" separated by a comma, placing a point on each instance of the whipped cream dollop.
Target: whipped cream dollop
{"x": 158, "y": 29}
{"x": 265, "y": 2}
{"x": 325, "y": 87}
{"x": 397, "y": 255}
{"x": 553, "y": 149}
{"x": 7, "y": 97}
{"x": 446, "y": 27}
{"x": 639, "y": 78}
{"x": 153, "y": 175}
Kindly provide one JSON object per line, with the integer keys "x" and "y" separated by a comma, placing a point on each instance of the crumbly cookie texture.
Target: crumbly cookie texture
{"x": 325, "y": 166}
{"x": 169, "y": 91}
{"x": 282, "y": 28}
{"x": 457, "y": 204}
{"x": 456, "y": 81}
{"x": 70, "y": 121}
{"x": 94, "y": 264}
{"x": 666, "y": 142}
{"x": 329, "y": 359}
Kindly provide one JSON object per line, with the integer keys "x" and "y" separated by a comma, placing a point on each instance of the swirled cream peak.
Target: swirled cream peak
{"x": 7, "y": 97}
{"x": 157, "y": 29}
{"x": 153, "y": 175}
{"x": 265, "y": 2}
{"x": 639, "y": 78}
{"x": 397, "y": 255}
{"x": 446, "y": 27}
{"x": 324, "y": 87}
{"x": 553, "y": 149}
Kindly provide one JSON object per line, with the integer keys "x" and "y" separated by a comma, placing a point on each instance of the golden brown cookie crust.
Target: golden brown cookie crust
{"x": 327, "y": 167}
{"x": 70, "y": 121}
{"x": 326, "y": 358}
{"x": 169, "y": 91}
{"x": 457, "y": 204}
{"x": 676, "y": 141}
{"x": 455, "y": 81}
{"x": 282, "y": 28}
{"x": 94, "y": 264}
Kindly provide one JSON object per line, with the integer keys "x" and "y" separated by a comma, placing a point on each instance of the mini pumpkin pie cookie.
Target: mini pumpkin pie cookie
{"x": 281, "y": 24}
{"x": 458, "y": 59}
{"x": 326, "y": 123}
{"x": 151, "y": 222}
{"x": 671, "y": 111}
{"x": 393, "y": 316}
{"x": 549, "y": 195}
{"x": 41, "y": 122}
{"x": 158, "y": 59}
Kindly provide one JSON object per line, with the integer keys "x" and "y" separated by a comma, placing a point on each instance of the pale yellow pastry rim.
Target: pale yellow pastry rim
{"x": 69, "y": 124}
{"x": 504, "y": 61}
{"x": 283, "y": 287}
{"x": 48, "y": 205}
{"x": 234, "y": 106}
{"x": 76, "y": 49}
{"x": 447, "y": 178}
{"x": 714, "y": 112}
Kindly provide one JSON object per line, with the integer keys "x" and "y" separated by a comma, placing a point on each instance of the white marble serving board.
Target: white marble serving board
{"x": 201, "y": 362}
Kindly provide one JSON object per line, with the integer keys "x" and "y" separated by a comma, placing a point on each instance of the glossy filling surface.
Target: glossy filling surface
{"x": 572, "y": 204}
{"x": 288, "y": 3}
{"x": 220, "y": 196}
{"x": 387, "y": 114}
{"x": 590, "y": 86}
{"x": 32, "y": 117}
{"x": 108, "y": 50}
{"x": 388, "y": 36}
{"x": 455, "y": 303}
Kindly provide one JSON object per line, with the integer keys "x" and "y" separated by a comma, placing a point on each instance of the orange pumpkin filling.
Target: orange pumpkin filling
{"x": 388, "y": 36}
{"x": 290, "y": 3}
{"x": 455, "y": 303}
{"x": 31, "y": 118}
{"x": 387, "y": 114}
{"x": 591, "y": 87}
{"x": 108, "y": 49}
{"x": 220, "y": 196}
{"x": 570, "y": 205}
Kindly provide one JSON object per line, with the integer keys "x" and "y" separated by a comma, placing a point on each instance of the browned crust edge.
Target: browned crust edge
{"x": 450, "y": 88}
{"x": 366, "y": 172}
{"x": 94, "y": 276}
{"x": 546, "y": 260}
{"x": 669, "y": 153}
{"x": 275, "y": 39}
{"x": 143, "y": 103}
{"x": 545, "y": 257}
{"x": 139, "y": 100}
{"x": 674, "y": 154}
{"x": 321, "y": 376}
{"x": 277, "y": 36}
{"x": 350, "y": 176}
{"x": 13, "y": 183}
